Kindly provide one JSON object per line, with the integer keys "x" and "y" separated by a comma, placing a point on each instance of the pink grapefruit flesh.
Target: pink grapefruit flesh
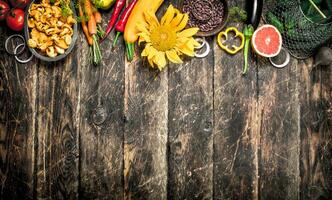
{"x": 267, "y": 41}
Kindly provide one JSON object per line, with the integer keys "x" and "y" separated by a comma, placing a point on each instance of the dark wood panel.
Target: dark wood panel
{"x": 201, "y": 130}
{"x": 280, "y": 133}
{"x": 101, "y": 91}
{"x": 316, "y": 123}
{"x": 57, "y": 125}
{"x": 17, "y": 130}
{"x": 236, "y": 129}
{"x": 145, "y": 170}
{"x": 145, "y": 141}
{"x": 190, "y": 122}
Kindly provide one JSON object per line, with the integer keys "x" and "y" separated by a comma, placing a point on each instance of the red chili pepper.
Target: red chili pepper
{"x": 117, "y": 10}
{"x": 120, "y": 26}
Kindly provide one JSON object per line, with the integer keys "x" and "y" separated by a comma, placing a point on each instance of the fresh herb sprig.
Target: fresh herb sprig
{"x": 237, "y": 14}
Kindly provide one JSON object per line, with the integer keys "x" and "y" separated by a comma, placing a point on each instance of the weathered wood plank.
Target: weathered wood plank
{"x": 145, "y": 173}
{"x": 101, "y": 121}
{"x": 316, "y": 123}
{"x": 280, "y": 133}
{"x": 17, "y": 126}
{"x": 236, "y": 129}
{"x": 190, "y": 122}
{"x": 57, "y": 124}
{"x": 145, "y": 141}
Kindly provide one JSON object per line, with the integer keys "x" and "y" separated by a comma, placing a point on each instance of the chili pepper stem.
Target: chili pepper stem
{"x": 119, "y": 4}
{"x": 116, "y": 38}
{"x": 130, "y": 51}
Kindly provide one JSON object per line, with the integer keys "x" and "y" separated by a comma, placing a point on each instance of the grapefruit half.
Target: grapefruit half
{"x": 267, "y": 41}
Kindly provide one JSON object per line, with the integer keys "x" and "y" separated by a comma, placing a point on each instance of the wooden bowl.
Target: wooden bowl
{"x": 36, "y": 52}
{"x": 217, "y": 29}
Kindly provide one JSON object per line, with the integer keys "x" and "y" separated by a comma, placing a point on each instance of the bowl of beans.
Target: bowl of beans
{"x": 210, "y": 16}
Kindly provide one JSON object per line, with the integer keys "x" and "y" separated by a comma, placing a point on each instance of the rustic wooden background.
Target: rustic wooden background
{"x": 200, "y": 130}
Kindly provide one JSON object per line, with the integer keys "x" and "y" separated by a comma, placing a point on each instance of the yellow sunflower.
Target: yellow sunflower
{"x": 166, "y": 39}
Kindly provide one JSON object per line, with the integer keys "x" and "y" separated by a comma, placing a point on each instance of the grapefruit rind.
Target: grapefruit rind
{"x": 253, "y": 43}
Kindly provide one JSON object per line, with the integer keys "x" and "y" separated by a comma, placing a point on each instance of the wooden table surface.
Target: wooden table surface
{"x": 201, "y": 130}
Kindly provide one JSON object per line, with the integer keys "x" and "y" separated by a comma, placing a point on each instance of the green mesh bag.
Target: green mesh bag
{"x": 303, "y": 27}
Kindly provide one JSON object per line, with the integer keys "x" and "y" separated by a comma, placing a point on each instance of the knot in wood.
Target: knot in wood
{"x": 99, "y": 115}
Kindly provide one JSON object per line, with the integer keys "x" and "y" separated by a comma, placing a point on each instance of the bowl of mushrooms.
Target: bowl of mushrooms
{"x": 50, "y": 29}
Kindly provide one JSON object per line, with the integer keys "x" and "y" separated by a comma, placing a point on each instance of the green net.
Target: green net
{"x": 305, "y": 25}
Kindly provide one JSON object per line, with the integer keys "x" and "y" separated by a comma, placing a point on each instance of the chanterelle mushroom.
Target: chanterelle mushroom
{"x": 59, "y": 50}
{"x": 32, "y": 43}
{"x": 50, "y": 52}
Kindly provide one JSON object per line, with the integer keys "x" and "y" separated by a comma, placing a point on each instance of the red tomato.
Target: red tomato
{"x": 4, "y": 9}
{"x": 15, "y": 19}
{"x": 19, "y": 3}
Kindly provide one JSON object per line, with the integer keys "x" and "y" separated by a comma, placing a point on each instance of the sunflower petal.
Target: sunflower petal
{"x": 166, "y": 19}
{"x": 142, "y": 27}
{"x": 151, "y": 52}
{"x": 140, "y": 40}
{"x": 151, "y": 63}
{"x": 151, "y": 19}
{"x": 188, "y": 32}
{"x": 183, "y": 23}
{"x": 186, "y": 50}
{"x": 177, "y": 19}
{"x": 194, "y": 42}
{"x": 160, "y": 60}
{"x": 144, "y": 52}
{"x": 191, "y": 43}
{"x": 173, "y": 57}
{"x": 181, "y": 41}
{"x": 143, "y": 37}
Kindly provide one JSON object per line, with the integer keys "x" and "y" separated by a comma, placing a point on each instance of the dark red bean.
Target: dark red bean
{"x": 204, "y": 14}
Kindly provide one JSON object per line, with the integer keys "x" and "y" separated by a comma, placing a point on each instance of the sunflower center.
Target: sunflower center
{"x": 163, "y": 38}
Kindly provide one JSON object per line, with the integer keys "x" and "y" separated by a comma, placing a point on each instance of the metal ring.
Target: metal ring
{"x": 19, "y": 60}
{"x": 7, "y": 41}
{"x": 284, "y": 64}
{"x": 206, "y": 52}
{"x": 200, "y": 40}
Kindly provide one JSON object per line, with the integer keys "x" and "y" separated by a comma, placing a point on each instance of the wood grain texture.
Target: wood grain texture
{"x": 236, "y": 129}
{"x": 146, "y": 103}
{"x": 17, "y": 130}
{"x": 190, "y": 122}
{"x": 145, "y": 141}
{"x": 200, "y": 130}
{"x": 316, "y": 118}
{"x": 101, "y": 122}
{"x": 280, "y": 133}
{"x": 57, "y": 128}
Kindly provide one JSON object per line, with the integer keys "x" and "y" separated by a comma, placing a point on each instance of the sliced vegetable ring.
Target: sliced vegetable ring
{"x": 203, "y": 43}
{"x": 285, "y": 63}
{"x": 16, "y": 55}
{"x": 223, "y": 37}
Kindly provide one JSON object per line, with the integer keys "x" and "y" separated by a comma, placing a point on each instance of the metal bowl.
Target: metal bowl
{"x": 35, "y": 52}
{"x": 217, "y": 29}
